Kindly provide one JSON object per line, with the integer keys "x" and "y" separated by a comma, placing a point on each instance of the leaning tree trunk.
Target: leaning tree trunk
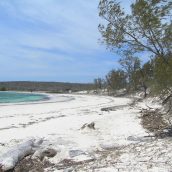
{"x": 167, "y": 102}
{"x": 145, "y": 90}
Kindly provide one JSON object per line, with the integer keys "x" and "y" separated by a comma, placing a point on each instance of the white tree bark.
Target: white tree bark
{"x": 9, "y": 159}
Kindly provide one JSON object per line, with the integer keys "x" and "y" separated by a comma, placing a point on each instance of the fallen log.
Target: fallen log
{"x": 9, "y": 159}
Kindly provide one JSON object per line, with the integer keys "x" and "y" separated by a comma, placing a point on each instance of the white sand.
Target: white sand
{"x": 64, "y": 119}
{"x": 59, "y": 123}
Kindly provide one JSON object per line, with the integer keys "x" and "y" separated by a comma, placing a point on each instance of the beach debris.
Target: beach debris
{"x": 78, "y": 160}
{"x": 69, "y": 169}
{"x": 90, "y": 126}
{"x": 74, "y": 153}
{"x": 2, "y": 144}
{"x": 15, "y": 154}
{"x": 46, "y": 152}
{"x": 113, "y": 108}
{"x": 109, "y": 146}
{"x": 28, "y": 164}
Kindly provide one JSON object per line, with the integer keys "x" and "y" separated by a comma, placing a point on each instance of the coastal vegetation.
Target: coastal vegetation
{"x": 3, "y": 89}
{"x": 56, "y": 87}
{"x": 143, "y": 33}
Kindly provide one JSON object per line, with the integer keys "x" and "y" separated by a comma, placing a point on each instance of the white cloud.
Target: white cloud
{"x": 36, "y": 34}
{"x": 70, "y": 26}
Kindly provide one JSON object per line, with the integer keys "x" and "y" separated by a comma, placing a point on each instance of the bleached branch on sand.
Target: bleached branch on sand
{"x": 9, "y": 159}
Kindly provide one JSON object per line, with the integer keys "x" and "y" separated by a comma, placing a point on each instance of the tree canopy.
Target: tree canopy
{"x": 147, "y": 28}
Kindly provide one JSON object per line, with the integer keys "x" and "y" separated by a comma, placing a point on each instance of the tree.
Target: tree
{"x": 3, "y": 89}
{"x": 131, "y": 66}
{"x": 98, "y": 83}
{"x": 162, "y": 75}
{"x": 146, "y": 76}
{"x": 147, "y": 28}
{"x": 116, "y": 79}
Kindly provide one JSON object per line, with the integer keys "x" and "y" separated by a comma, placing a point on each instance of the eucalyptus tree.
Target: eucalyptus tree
{"x": 116, "y": 79}
{"x": 148, "y": 27}
{"x": 98, "y": 83}
{"x": 131, "y": 67}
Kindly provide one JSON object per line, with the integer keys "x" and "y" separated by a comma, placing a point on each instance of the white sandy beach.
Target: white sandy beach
{"x": 59, "y": 120}
{"x": 62, "y": 117}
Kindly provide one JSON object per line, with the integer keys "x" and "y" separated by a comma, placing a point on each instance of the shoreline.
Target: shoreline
{"x": 88, "y": 132}
{"x": 49, "y": 98}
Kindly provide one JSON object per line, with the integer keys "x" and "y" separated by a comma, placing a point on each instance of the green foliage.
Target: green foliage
{"x": 131, "y": 66}
{"x": 146, "y": 74}
{"x": 99, "y": 83}
{"x": 116, "y": 79}
{"x": 145, "y": 29}
{"x": 148, "y": 28}
{"x": 3, "y": 89}
{"x": 162, "y": 75}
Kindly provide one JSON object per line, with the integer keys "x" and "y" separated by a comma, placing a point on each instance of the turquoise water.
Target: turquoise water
{"x": 15, "y": 97}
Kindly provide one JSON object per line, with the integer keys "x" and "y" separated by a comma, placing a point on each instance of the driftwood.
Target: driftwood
{"x": 90, "y": 126}
{"x": 9, "y": 159}
{"x": 167, "y": 99}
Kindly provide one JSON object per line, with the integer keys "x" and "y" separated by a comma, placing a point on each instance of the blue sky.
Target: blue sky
{"x": 52, "y": 40}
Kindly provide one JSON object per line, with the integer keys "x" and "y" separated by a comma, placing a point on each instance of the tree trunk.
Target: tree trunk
{"x": 145, "y": 90}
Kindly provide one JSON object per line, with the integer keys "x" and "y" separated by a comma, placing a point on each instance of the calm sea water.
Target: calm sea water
{"x": 15, "y": 97}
